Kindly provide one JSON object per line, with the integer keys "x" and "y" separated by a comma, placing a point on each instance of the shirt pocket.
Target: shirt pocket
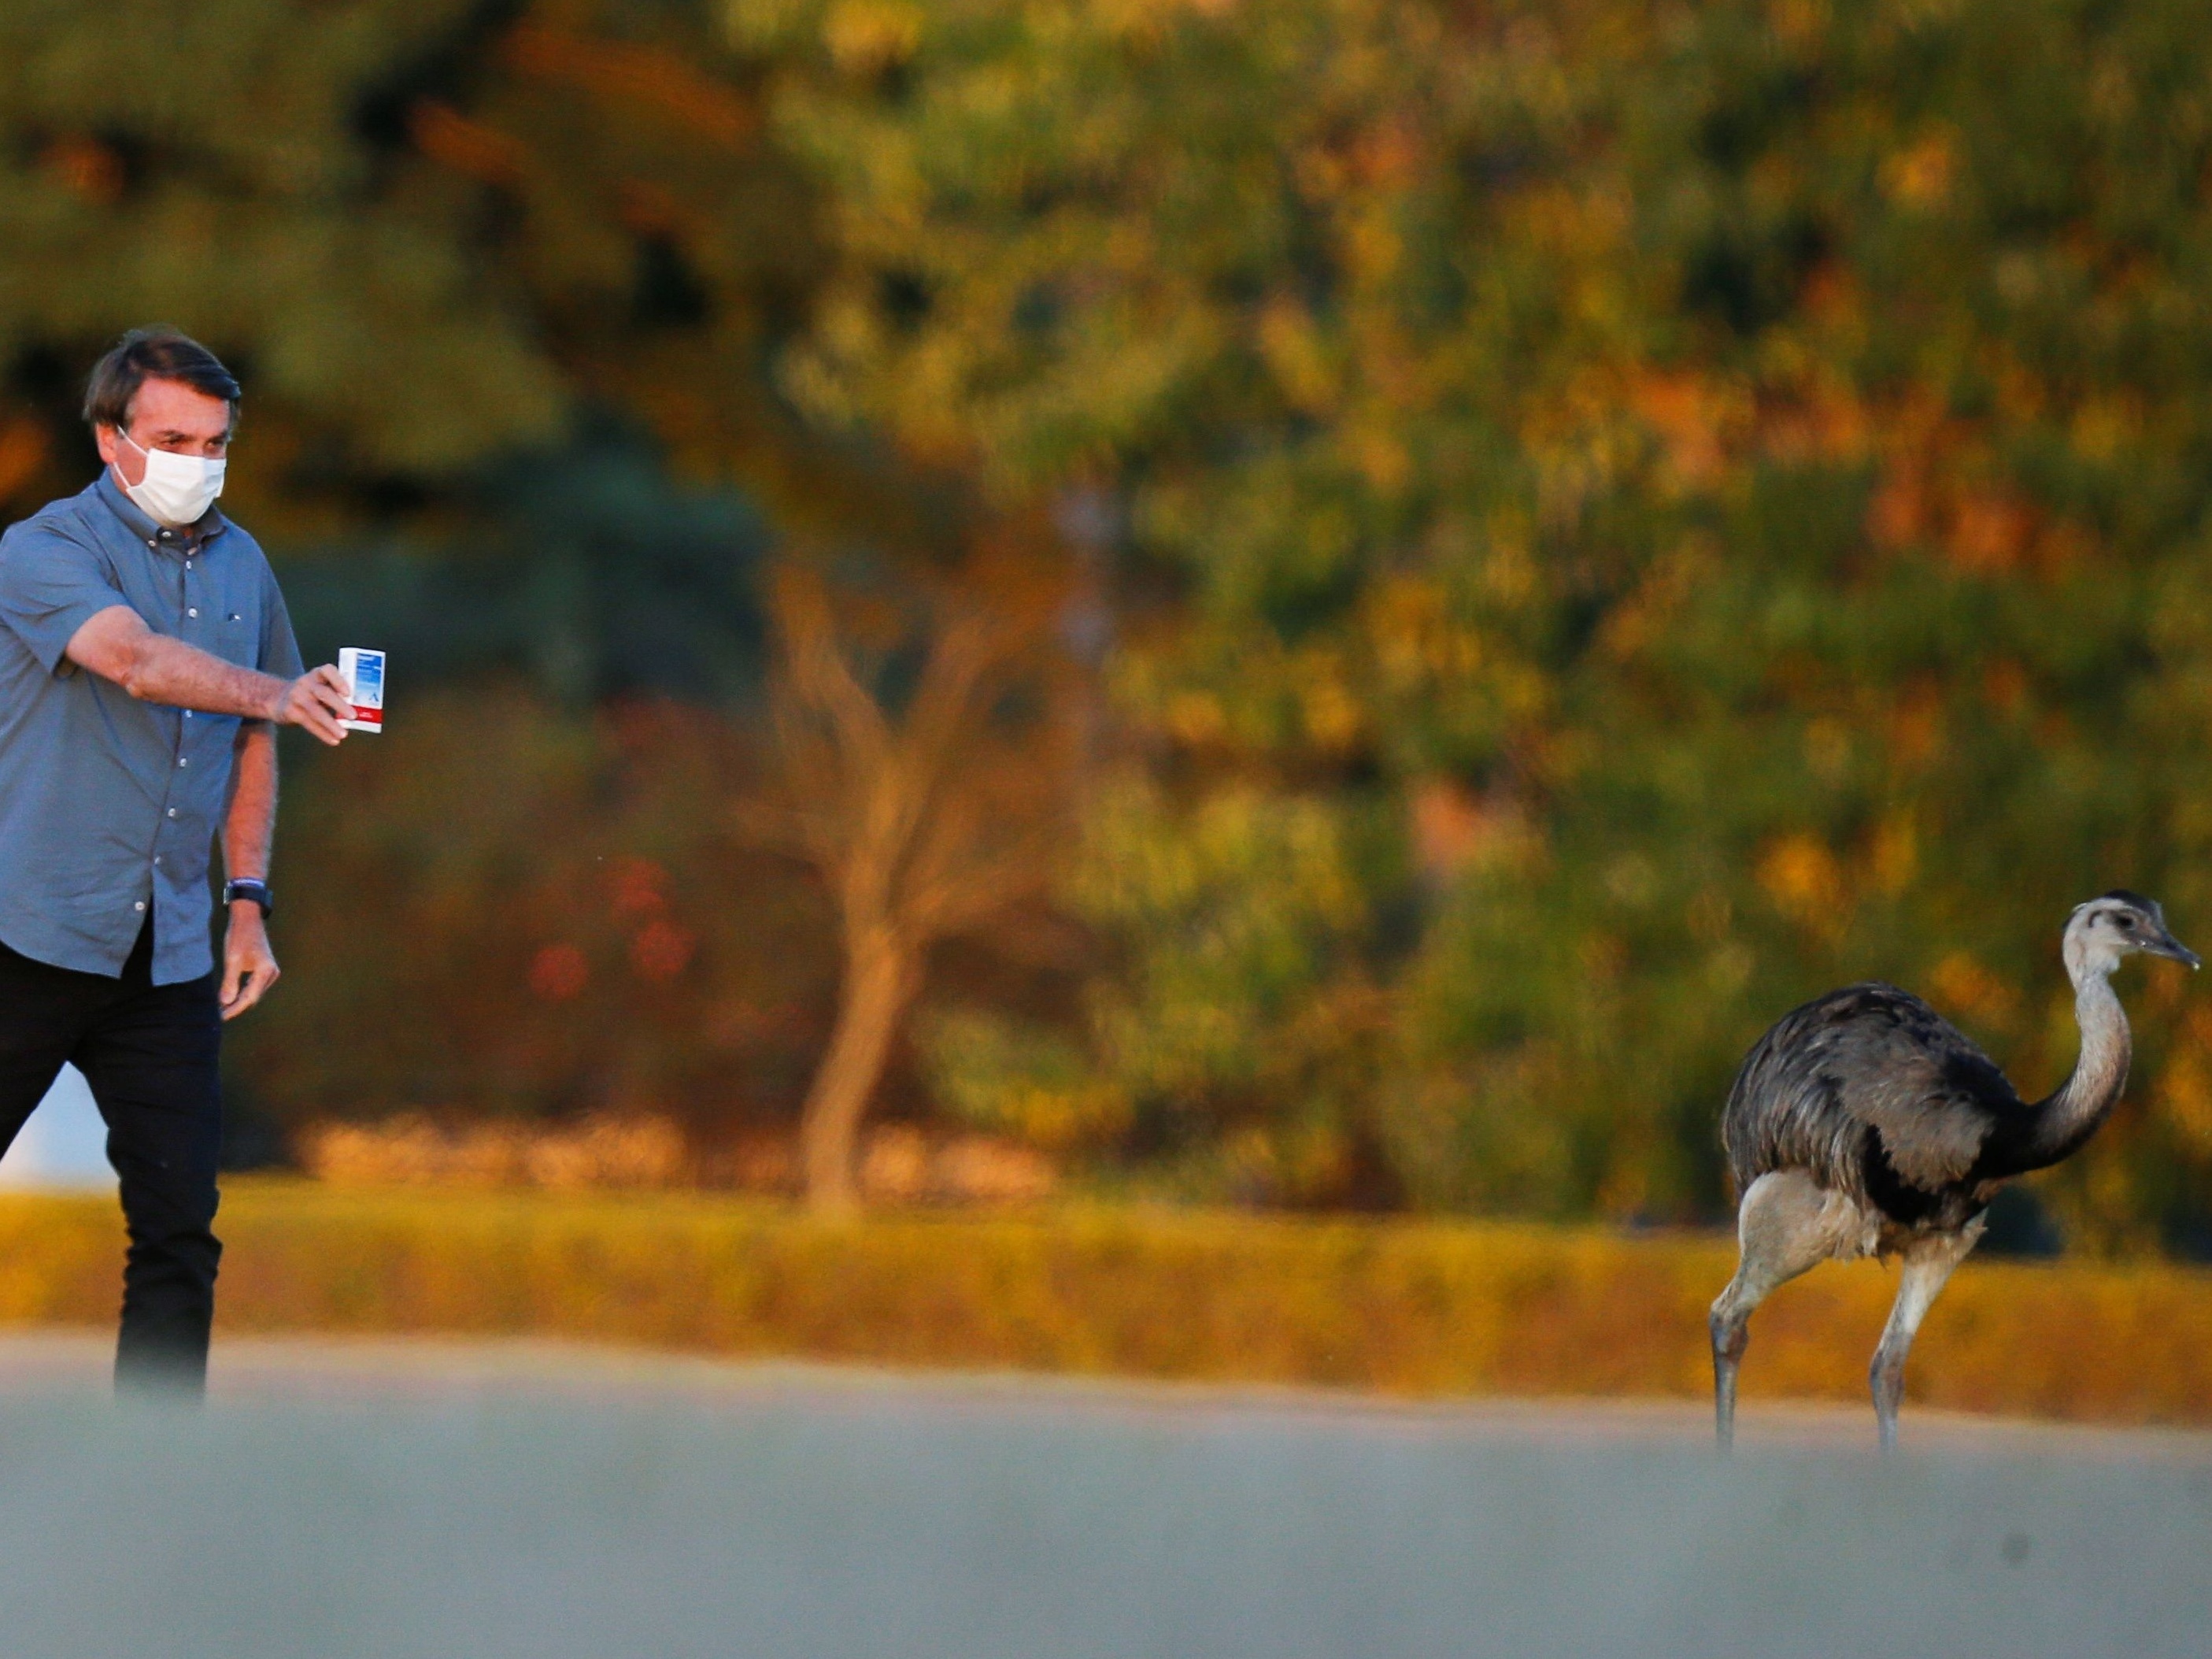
{"x": 238, "y": 633}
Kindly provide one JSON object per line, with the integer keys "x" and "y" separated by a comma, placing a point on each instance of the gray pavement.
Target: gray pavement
{"x": 394, "y": 1499}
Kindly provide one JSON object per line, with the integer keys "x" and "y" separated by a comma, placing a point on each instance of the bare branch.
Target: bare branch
{"x": 818, "y": 682}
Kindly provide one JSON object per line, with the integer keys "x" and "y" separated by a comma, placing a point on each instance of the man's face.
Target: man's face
{"x": 167, "y": 415}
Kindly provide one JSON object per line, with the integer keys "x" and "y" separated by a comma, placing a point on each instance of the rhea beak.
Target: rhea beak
{"x": 2166, "y": 946}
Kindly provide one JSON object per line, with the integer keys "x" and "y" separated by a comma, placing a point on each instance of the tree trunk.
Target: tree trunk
{"x": 879, "y": 978}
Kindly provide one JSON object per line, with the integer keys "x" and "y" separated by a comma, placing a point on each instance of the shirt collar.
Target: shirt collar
{"x": 211, "y": 525}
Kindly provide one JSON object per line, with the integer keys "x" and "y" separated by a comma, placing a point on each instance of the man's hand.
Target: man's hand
{"x": 316, "y": 702}
{"x": 249, "y": 968}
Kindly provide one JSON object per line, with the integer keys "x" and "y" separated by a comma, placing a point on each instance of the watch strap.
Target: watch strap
{"x": 256, "y": 891}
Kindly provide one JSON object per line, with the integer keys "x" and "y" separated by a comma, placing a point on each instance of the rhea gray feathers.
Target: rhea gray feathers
{"x": 1862, "y": 1079}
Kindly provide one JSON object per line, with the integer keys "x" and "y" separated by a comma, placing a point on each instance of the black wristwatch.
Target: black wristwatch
{"x": 257, "y": 891}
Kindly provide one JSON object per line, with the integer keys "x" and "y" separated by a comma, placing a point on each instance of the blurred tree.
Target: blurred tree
{"x": 916, "y": 779}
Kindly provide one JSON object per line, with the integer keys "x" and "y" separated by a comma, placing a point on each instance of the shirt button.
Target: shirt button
{"x": 140, "y": 905}
{"x": 173, "y": 812}
{"x": 181, "y": 760}
{"x": 157, "y": 859}
{"x": 193, "y": 611}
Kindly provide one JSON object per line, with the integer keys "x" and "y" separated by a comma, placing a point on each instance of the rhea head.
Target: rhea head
{"x": 2118, "y": 924}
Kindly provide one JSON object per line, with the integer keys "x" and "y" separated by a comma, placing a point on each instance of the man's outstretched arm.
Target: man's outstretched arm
{"x": 117, "y": 645}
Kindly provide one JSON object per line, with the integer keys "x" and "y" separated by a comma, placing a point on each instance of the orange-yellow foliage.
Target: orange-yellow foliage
{"x": 1402, "y": 1308}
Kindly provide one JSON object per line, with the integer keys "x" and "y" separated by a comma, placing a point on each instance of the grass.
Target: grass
{"x": 1399, "y": 1307}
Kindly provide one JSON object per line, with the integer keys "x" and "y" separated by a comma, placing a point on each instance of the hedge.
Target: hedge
{"x": 1409, "y": 1308}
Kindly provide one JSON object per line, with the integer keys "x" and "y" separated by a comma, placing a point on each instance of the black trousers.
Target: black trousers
{"x": 151, "y": 1055}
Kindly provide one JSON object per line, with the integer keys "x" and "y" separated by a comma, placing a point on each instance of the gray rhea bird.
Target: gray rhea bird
{"x": 1864, "y": 1124}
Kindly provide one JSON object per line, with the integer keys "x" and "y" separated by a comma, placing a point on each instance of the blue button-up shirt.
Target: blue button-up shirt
{"x": 107, "y": 805}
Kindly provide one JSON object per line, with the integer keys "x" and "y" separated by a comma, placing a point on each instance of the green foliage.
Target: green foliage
{"x": 1021, "y": 1078}
{"x": 1237, "y": 1053}
{"x": 1243, "y": 1034}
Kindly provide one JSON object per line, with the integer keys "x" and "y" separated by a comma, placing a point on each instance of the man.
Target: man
{"x": 146, "y": 658}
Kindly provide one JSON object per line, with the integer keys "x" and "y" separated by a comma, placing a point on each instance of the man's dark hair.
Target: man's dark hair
{"x": 154, "y": 354}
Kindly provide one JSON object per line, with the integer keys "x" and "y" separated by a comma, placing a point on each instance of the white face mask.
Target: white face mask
{"x": 177, "y": 490}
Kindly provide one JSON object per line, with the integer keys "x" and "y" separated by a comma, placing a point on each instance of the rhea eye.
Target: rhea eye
{"x": 2128, "y": 922}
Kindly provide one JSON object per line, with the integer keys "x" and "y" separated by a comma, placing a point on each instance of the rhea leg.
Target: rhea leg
{"x": 1786, "y": 1226}
{"x": 1928, "y": 1264}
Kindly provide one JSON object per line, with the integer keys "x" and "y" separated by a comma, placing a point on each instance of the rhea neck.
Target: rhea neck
{"x": 2086, "y": 1099}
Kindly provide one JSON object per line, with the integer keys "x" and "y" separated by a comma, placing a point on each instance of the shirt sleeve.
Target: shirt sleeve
{"x": 279, "y": 650}
{"x": 50, "y": 587}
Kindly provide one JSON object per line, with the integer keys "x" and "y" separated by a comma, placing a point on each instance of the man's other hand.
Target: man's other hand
{"x": 249, "y": 968}
{"x": 316, "y": 702}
